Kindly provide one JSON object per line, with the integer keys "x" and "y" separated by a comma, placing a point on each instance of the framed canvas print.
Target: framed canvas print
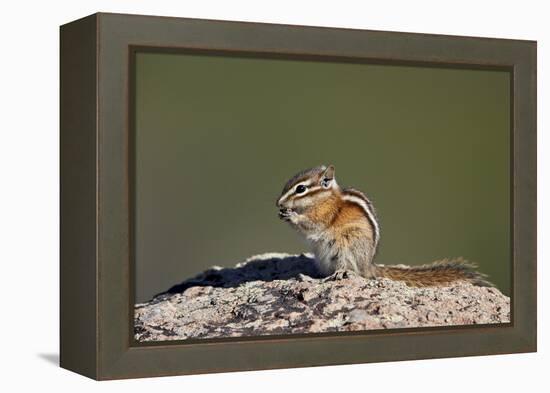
{"x": 240, "y": 196}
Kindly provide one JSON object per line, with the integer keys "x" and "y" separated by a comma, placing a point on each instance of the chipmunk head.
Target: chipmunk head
{"x": 308, "y": 188}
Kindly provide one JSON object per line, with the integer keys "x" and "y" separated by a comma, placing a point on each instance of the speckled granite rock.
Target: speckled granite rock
{"x": 282, "y": 294}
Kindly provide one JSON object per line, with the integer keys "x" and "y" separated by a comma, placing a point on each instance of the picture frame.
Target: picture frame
{"x": 96, "y": 251}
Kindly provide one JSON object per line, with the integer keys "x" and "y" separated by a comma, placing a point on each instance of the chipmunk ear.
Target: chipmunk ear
{"x": 328, "y": 176}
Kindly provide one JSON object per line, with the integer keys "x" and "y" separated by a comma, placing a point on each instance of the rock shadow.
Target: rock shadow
{"x": 266, "y": 267}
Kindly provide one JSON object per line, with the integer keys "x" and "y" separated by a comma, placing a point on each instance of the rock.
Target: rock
{"x": 283, "y": 294}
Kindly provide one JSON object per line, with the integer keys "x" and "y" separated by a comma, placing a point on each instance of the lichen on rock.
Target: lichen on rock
{"x": 274, "y": 294}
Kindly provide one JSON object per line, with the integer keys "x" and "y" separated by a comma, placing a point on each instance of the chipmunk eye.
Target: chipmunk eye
{"x": 300, "y": 189}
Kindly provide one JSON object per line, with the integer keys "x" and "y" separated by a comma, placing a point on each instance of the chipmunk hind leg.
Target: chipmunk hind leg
{"x": 331, "y": 257}
{"x": 357, "y": 257}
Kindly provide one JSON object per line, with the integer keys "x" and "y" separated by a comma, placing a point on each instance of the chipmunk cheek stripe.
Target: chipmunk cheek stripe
{"x": 285, "y": 196}
{"x": 311, "y": 191}
{"x": 293, "y": 189}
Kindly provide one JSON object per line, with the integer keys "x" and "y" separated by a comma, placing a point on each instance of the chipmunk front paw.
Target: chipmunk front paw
{"x": 287, "y": 215}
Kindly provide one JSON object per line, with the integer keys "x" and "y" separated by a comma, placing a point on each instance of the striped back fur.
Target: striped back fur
{"x": 357, "y": 197}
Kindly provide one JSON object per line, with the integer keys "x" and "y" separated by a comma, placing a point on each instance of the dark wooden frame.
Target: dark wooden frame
{"x": 96, "y": 231}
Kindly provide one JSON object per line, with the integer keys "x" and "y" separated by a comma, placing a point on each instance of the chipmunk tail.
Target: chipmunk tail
{"x": 439, "y": 273}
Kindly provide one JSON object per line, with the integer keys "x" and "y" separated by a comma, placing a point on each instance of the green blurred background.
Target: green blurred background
{"x": 217, "y": 137}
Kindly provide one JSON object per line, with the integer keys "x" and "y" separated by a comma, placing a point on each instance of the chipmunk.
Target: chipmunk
{"x": 342, "y": 227}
